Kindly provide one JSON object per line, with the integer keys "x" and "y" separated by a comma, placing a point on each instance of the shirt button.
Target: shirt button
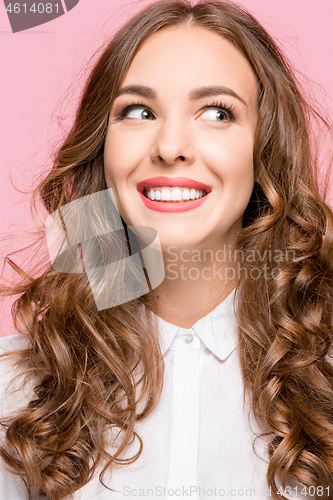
{"x": 188, "y": 339}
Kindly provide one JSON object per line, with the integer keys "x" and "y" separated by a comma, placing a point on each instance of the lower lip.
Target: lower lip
{"x": 172, "y": 206}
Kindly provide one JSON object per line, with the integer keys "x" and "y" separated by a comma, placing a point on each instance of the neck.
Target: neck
{"x": 196, "y": 281}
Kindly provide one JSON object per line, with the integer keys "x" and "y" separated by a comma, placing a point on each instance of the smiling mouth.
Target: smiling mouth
{"x": 173, "y": 195}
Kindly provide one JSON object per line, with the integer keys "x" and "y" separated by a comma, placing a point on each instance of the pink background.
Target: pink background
{"x": 40, "y": 67}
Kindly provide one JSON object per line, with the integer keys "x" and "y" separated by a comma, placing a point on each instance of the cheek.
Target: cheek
{"x": 116, "y": 160}
{"x": 231, "y": 158}
{"x": 123, "y": 152}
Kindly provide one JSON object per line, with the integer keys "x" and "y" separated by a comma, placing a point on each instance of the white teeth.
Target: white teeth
{"x": 157, "y": 195}
{"x": 186, "y": 194}
{"x": 175, "y": 195}
{"x": 165, "y": 194}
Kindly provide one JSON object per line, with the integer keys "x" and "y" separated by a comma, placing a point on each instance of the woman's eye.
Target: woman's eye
{"x": 216, "y": 115}
{"x": 138, "y": 113}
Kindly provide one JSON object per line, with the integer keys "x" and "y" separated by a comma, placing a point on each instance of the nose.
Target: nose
{"x": 174, "y": 143}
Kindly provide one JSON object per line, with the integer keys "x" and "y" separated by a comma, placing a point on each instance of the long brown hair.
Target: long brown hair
{"x": 83, "y": 361}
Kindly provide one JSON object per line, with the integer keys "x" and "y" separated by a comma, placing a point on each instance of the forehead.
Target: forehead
{"x": 182, "y": 58}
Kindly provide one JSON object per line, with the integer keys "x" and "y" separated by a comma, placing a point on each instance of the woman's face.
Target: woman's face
{"x": 194, "y": 116}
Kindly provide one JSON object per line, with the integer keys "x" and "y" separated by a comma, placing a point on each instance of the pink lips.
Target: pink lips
{"x": 172, "y": 182}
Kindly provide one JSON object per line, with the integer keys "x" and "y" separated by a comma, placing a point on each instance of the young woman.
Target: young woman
{"x": 218, "y": 381}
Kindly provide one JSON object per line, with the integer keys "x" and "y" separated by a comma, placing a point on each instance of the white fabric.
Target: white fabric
{"x": 197, "y": 443}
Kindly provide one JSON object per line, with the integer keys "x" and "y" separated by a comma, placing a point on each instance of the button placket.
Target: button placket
{"x": 185, "y": 413}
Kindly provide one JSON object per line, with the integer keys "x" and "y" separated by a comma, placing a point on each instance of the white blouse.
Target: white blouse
{"x": 198, "y": 442}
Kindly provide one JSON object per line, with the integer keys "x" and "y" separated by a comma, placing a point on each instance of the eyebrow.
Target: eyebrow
{"x": 194, "y": 95}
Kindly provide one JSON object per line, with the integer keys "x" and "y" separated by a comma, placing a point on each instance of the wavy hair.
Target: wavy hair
{"x": 84, "y": 361}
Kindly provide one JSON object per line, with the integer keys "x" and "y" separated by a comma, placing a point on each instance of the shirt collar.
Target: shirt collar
{"x": 217, "y": 330}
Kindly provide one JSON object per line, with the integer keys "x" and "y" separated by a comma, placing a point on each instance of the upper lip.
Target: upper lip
{"x": 172, "y": 182}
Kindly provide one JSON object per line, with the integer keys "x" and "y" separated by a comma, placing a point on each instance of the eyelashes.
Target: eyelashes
{"x": 228, "y": 110}
{"x": 127, "y": 108}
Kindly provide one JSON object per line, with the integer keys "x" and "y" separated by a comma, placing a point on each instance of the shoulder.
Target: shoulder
{"x": 14, "y": 392}
{"x": 10, "y": 343}
{"x": 13, "y": 342}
